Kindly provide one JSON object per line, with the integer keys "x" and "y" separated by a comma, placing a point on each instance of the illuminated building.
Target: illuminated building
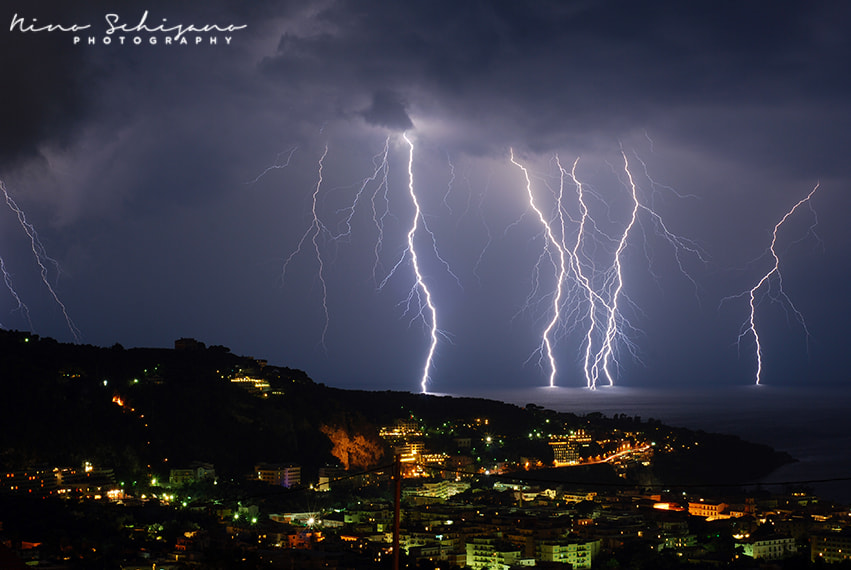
{"x": 564, "y": 453}
{"x": 707, "y": 509}
{"x": 578, "y": 554}
{"x": 676, "y": 541}
{"x": 440, "y": 490}
{"x": 463, "y": 465}
{"x": 88, "y": 482}
{"x": 401, "y": 429}
{"x": 566, "y": 450}
{"x": 328, "y": 475}
{"x": 283, "y": 474}
{"x": 490, "y": 553}
{"x": 370, "y": 518}
{"x": 526, "y": 536}
{"x": 771, "y": 547}
{"x": 195, "y": 472}
{"x": 178, "y": 477}
{"x": 410, "y": 451}
{"x": 252, "y": 384}
{"x": 40, "y": 481}
{"x": 831, "y": 546}
{"x": 578, "y": 497}
{"x": 422, "y": 545}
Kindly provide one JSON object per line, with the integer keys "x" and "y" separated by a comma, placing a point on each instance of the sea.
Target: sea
{"x": 813, "y": 425}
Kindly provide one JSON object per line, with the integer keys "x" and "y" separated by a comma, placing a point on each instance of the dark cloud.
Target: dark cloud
{"x": 388, "y": 110}
{"x": 45, "y": 96}
{"x": 544, "y": 72}
{"x": 158, "y": 172}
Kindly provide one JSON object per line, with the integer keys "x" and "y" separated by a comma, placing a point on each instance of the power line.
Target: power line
{"x": 627, "y": 484}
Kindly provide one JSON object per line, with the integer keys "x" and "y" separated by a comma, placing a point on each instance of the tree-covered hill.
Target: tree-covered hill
{"x": 142, "y": 411}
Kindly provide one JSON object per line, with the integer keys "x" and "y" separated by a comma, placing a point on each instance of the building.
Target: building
{"x": 574, "y": 497}
{"x": 197, "y": 471}
{"x": 253, "y": 384}
{"x": 676, "y": 541}
{"x": 37, "y": 480}
{"x": 440, "y": 490}
{"x": 770, "y": 547}
{"x": 830, "y": 546}
{"x": 283, "y": 474}
{"x": 577, "y": 553}
{"x": 567, "y": 450}
{"x": 401, "y": 430}
{"x": 491, "y": 553}
{"x": 707, "y": 509}
{"x": 87, "y": 482}
{"x": 410, "y": 450}
{"x": 329, "y": 475}
{"x": 430, "y": 546}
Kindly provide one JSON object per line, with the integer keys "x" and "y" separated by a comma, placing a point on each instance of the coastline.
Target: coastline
{"x": 812, "y": 425}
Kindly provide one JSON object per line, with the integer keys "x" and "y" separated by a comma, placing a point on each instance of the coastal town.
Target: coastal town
{"x": 454, "y": 512}
{"x": 197, "y": 458}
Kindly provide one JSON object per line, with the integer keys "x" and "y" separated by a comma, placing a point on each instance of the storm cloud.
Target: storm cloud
{"x": 172, "y": 183}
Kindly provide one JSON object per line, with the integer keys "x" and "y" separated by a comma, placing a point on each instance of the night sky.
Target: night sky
{"x": 175, "y": 185}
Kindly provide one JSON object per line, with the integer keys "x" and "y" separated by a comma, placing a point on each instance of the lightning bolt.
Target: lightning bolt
{"x": 419, "y": 302}
{"x": 450, "y": 183}
{"x": 277, "y": 165}
{"x": 606, "y": 355}
{"x": 488, "y": 238}
{"x": 589, "y": 294}
{"x": 41, "y": 258}
{"x": 749, "y": 326}
{"x": 545, "y": 349}
{"x": 379, "y": 202}
{"x": 378, "y": 218}
{"x": 611, "y": 296}
{"x": 313, "y": 232}
{"x": 583, "y": 278}
{"x": 7, "y": 279}
{"x": 679, "y": 244}
{"x": 420, "y": 294}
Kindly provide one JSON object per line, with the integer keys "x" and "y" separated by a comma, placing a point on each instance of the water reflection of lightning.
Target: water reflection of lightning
{"x": 41, "y": 258}
{"x": 749, "y": 326}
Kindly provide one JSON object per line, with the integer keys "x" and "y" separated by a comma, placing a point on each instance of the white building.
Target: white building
{"x": 283, "y": 474}
{"x": 490, "y": 553}
{"x": 771, "y": 547}
{"x": 577, "y": 553}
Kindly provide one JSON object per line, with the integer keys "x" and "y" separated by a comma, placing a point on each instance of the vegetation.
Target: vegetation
{"x": 144, "y": 411}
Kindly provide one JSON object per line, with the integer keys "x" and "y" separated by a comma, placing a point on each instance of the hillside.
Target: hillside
{"x": 144, "y": 410}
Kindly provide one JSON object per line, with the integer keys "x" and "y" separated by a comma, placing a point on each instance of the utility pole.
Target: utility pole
{"x": 397, "y": 503}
